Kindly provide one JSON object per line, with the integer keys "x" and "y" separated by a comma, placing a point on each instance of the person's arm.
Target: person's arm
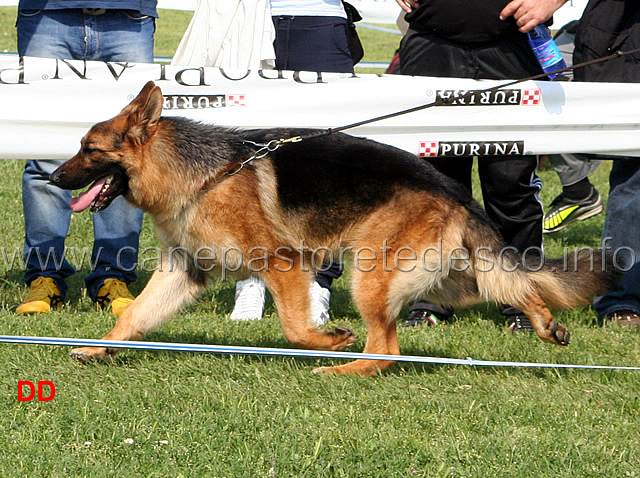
{"x": 408, "y": 5}
{"x": 529, "y": 13}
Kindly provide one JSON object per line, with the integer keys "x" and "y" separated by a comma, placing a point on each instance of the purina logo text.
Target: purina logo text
{"x": 432, "y": 149}
{"x": 191, "y": 102}
{"x": 502, "y": 97}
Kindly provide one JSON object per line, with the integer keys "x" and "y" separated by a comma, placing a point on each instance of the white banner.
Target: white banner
{"x": 48, "y": 105}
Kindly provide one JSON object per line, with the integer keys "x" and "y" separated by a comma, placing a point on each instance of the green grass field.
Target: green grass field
{"x": 153, "y": 414}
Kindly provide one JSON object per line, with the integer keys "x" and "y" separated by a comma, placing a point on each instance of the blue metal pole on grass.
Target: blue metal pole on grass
{"x": 238, "y": 350}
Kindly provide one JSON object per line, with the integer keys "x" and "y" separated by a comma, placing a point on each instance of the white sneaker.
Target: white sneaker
{"x": 320, "y": 298}
{"x": 249, "y": 300}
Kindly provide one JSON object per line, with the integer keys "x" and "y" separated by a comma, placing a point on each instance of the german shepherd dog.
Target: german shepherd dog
{"x": 329, "y": 192}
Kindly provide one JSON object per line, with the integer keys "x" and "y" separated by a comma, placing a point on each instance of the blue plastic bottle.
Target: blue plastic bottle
{"x": 545, "y": 49}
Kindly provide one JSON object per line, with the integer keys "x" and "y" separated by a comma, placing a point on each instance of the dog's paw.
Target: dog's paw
{"x": 88, "y": 354}
{"x": 362, "y": 368}
{"x": 323, "y": 370}
{"x": 343, "y": 337}
{"x": 562, "y": 335}
{"x": 338, "y": 370}
{"x": 557, "y": 334}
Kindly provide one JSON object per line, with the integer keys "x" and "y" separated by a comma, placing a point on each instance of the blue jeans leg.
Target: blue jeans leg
{"x": 69, "y": 34}
{"x": 115, "y": 248}
{"x": 46, "y": 217}
{"x": 620, "y": 233}
{"x": 116, "y": 231}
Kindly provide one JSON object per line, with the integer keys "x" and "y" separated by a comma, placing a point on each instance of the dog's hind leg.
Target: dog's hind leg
{"x": 547, "y": 329}
{"x": 289, "y": 286}
{"x": 165, "y": 294}
{"x": 370, "y": 293}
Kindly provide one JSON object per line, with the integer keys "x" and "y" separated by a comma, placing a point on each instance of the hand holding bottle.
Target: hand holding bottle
{"x": 530, "y": 13}
{"x": 545, "y": 49}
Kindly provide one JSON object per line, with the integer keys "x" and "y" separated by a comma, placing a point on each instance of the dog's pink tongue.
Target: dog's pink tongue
{"x": 84, "y": 200}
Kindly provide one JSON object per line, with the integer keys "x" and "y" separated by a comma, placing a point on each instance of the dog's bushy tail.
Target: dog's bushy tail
{"x": 561, "y": 283}
{"x": 575, "y": 280}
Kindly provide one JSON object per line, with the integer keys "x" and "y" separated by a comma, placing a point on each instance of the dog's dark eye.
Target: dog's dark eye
{"x": 90, "y": 150}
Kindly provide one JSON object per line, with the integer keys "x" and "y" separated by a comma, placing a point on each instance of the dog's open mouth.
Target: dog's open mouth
{"x": 99, "y": 195}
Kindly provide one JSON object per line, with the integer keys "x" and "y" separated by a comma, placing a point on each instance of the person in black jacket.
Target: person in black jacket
{"x": 482, "y": 40}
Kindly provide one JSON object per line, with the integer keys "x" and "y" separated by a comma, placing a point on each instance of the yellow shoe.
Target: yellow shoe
{"x": 114, "y": 292}
{"x": 42, "y": 297}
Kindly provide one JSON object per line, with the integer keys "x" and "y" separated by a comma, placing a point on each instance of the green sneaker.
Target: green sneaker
{"x": 563, "y": 212}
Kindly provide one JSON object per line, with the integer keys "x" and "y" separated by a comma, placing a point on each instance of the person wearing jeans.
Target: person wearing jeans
{"x": 621, "y": 305}
{"x": 91, "y": 30}
{"x": 608, "y": 26}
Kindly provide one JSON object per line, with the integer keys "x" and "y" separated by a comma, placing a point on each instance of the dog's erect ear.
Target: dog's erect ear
{"x": 143, "y": 114}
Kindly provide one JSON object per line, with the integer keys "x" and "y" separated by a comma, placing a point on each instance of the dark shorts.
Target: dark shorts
{"x": 312, "y": 44}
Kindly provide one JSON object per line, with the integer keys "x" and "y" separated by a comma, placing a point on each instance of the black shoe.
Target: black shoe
{"x": 563, "y": 212}
{"x": 421, "y": 317}
{"x": 516, "y": 319}
{"x": 624, "y": 318}
{"x": 519, "y": 323}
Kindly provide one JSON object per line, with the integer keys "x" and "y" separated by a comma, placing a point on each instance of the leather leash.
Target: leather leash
{"x": 265, "y": 149}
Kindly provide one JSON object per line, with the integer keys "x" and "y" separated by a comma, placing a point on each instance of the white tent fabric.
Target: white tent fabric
{"x": 228, "y": 34}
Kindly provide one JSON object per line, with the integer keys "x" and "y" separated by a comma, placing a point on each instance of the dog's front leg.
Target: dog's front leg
{"x": 167, "y": 291}
{"x": 290, "y": 287}
{"x": 370, "y": 290}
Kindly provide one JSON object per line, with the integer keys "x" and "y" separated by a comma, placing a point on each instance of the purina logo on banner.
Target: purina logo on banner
{"x": 432, "y": 149}
{"x": 236, "y": 100}
{"x": 531, "y": 97}
{"x": 502, "y": 97}
{"x": 194, "y": 102}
